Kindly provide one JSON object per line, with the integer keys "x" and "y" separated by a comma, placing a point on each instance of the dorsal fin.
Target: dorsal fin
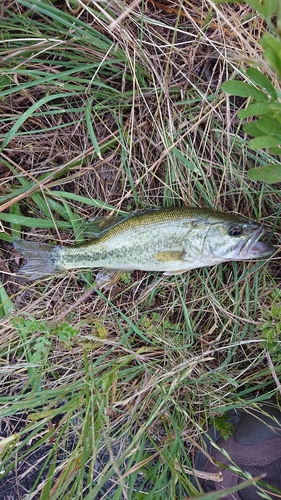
{"x": 93, "y": 228}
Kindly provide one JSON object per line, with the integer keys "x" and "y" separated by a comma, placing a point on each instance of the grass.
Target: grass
{"x": 107, "y": 394}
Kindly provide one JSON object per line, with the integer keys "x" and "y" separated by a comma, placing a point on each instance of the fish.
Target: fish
{"x": 169, "y": 240}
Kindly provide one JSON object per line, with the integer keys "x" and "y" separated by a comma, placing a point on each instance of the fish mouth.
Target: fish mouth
{"x": 253, "y": 248}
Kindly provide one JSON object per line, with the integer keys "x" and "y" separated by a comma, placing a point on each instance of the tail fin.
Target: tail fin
{"x": 42, "y": 259}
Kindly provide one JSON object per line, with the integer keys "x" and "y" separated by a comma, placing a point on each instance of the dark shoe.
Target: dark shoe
{"x": 254, "y": 447}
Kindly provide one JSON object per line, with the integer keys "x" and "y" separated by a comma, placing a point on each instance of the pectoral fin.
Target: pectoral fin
{"x": 168, "y": 256}
{"x": 107, "y": 278}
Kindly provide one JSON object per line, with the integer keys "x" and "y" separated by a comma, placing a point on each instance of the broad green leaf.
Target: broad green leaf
{"x": 267, "y": 8}
{"x": 275, "y": 108}
{"x": 269, "y": 127}
{"x": 274, "y": 151}
{"x": 268, "y": 173}
{"x": 264, "y": 7}
{"x": 242, "y": 89}
{"x": 265, "y": 141}
{"x": 260, "y": 79}
{"x": 272, "y": 52}
{"x": 256, "y": 109}
{"x": 251, "y": 128}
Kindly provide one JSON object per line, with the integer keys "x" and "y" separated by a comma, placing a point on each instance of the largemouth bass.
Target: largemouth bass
{"x": 171, "y": 240}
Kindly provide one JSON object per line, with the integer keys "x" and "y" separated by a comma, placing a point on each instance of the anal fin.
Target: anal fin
{"x": 174, "y": 273}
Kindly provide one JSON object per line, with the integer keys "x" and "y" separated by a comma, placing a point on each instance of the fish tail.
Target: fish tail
{"x": 42, "y": 259}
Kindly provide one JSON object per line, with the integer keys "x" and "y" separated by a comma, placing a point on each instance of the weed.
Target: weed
{"x": 264, "y": 99}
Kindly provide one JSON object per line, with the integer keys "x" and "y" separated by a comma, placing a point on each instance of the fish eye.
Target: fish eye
{"x": 235, "y": 230}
